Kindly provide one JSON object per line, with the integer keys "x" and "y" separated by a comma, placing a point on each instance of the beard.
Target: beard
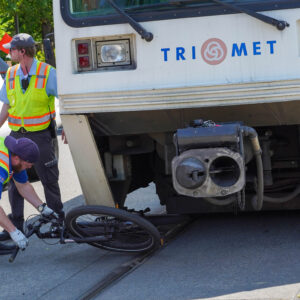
{"x": 17, "y": 168}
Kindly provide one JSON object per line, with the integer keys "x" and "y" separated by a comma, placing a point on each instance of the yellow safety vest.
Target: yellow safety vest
{"x": 34, "y": 109}
{"x": 4, "y": 158}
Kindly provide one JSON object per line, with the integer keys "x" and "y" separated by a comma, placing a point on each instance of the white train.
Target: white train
{"x": 200, "y": 97}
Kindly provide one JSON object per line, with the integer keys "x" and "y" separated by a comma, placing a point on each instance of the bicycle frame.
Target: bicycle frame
{"x": 61, "y": 232}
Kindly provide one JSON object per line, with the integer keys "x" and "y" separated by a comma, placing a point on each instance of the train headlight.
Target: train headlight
{"x": 113, "y": 53}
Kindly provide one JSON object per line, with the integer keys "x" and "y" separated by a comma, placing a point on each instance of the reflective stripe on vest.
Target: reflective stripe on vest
{"x": 11, "y": 76}
{"x": 15, "y": 121}
{"x": 39, "y": 120}
{"x": 40, "y": 80}
{"x": 4, "y": 158}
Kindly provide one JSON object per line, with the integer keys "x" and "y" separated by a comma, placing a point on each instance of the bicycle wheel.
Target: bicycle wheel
{"x": 123, "y": 231}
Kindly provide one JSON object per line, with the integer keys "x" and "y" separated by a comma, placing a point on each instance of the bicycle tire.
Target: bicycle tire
{"x": 129, "y": 232}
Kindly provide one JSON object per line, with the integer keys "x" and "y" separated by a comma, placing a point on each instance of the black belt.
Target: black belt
{"x": 23, "y": 130}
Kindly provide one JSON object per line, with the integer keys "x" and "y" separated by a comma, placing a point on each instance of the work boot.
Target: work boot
{"x": 6, "y": 247}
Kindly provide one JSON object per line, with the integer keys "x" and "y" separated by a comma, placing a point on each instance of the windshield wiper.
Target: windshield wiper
{"x": 148, "y": 36}
{"x": 280, "y": 25}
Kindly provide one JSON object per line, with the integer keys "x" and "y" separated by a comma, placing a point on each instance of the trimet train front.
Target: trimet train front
{"x": 199, "y": 97}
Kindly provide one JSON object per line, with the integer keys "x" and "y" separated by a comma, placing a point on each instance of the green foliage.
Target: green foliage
{"x": 33, "y": 16}
{"x": 40, "y": 55}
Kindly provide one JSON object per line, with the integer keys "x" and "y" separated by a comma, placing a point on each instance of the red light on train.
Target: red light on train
{"x": 83, "y": 48}
{"x": 84, "y": 62}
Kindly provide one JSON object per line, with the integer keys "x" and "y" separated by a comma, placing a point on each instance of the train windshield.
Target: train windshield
{"x": 81, "y": 13}
{"x": 85, "y": 8}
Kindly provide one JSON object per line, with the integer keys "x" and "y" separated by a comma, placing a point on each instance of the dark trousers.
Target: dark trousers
{"x": 47, "y": 170}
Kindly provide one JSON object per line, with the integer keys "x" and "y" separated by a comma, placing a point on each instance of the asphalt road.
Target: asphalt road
{"x": 222, "y": 257}
{"x": 217, "y": 257}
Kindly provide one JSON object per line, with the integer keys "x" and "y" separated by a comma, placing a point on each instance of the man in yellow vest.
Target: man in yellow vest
{"x": 17, "y": 155}
{"x": 28, "y": 103}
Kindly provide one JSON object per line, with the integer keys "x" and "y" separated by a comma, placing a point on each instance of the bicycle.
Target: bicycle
{"x": 100, "y": 226}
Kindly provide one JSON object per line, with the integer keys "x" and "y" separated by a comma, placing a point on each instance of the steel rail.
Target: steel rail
{"x": 126, "y": 268}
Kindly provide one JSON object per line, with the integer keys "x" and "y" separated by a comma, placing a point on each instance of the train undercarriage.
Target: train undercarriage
{"x": 202, "y": 161}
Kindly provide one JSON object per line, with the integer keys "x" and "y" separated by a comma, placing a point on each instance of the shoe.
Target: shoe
{"x": 7, "y": 247}
{"x": 4, "y": 236}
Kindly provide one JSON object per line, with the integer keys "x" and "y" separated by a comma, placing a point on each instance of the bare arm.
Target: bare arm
{"x": 5, "y": 222}
{"x": 28, "y": 192}
{"x": 4, "y": 113}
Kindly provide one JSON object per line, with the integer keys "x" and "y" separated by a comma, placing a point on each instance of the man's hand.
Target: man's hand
{"x": 64, "y": 137}
{"x": 19, "y": 238}
{"x": 47, "y": 211}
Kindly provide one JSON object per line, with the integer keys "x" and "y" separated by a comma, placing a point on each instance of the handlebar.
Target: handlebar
{"x": 31, "y": 230}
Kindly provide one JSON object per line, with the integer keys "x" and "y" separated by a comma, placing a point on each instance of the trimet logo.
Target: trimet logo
{"x": 214, "y": 51}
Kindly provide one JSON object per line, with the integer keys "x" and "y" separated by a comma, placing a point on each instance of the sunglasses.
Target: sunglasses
{"x": 11, "y": 49}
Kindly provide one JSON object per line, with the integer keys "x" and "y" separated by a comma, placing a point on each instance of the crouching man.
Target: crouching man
{"x": 17, "y": 155}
